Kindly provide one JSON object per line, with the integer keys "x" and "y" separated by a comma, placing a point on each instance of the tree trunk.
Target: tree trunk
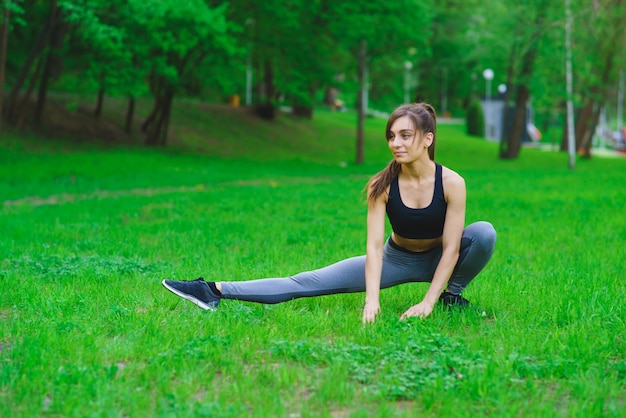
{"x": 4, "y": 30}
{"x": 504, "y": 144}
{"x": 588, "y": 139}
{"x": 518, "y": 125}
{"x": 270, "y": 90}
{"x": 57, "y": 35}
{"x": 130, "y": 113}
{"x": 38, "y": 48}
{"x": 145, "y": 126}
{"x": 100, "y": 100}
{"x": 155, "y": 83}
{"x": 20, "y": 107}
{"x": 266, "y": 109}
{"x": 583, "y": 121}
{"x": 362, "y": 57}
{"x": 157, "y": 126}
{"x": 564, "y": 138}
{"x": 165, "y": 118}
{"x": 148, "y": 127}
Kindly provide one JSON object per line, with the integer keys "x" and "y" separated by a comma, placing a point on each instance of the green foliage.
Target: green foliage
{"x": 120, "y": 45}
{"x": 177, "y": 36}
{"x": 21, "y": 36}
{"x": 475, "y": 119}
{"x": 103, "y": 42}
{"x": 452, "y": 48}
{"x": 388, "y": 47}
{"x": 354, "y": 21}
{"x": 16, "y": 8}
{"x": 397, "y": 370}
{"x": 297, "y": 50}
{"x": 73, "y": 266}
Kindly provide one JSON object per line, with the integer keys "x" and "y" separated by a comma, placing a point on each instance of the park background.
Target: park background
{"x": 168, "y": 139}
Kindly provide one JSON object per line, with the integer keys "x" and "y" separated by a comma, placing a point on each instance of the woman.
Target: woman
{"x": 425, "y": 204}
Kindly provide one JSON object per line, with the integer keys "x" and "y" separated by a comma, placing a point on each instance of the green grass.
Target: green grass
{"x": 89, "y": 231}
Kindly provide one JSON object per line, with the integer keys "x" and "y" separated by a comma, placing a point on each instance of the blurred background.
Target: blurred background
{"x": 510, "y": 70}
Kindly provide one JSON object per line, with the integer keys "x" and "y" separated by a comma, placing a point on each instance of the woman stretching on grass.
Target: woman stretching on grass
{"x": 425, "y": 204}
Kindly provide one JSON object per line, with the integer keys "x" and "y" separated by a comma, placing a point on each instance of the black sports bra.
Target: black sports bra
{"x": 424, "y": 223}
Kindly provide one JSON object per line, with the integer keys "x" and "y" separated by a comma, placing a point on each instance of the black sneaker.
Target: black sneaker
{"x": 196, "y": 291}
{"x": 449, "y": 300}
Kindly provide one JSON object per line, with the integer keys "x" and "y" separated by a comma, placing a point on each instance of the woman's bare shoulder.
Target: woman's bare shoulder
{"x": 451, "y": 178}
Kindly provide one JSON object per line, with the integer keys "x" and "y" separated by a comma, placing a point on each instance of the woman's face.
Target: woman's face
{"x": 406, "y": 143}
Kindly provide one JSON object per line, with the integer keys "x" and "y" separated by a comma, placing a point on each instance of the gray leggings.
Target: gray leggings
{"x": 399, "y": 266}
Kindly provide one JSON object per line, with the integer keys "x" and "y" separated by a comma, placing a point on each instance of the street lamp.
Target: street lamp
{"x": 249, "y": 22}
{"x": 488, "y": 75}
{"x": 408, "y": 65}
{"x": 620, "y": 100}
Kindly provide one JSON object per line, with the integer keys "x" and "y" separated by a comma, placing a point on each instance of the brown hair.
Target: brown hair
{"x": 424, "y": 119}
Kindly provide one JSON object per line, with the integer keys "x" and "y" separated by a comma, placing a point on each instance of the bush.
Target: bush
{"x": 475, "y": 119}
{"x": 304, "y": 111}
{"x": 266, "y": 111}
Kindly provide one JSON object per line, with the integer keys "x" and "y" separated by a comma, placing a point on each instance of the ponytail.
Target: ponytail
{"x": 379, "y": 183}
{"x": 432, "y": 128}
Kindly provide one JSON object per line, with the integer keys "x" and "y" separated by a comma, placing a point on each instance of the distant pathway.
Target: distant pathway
{"x": 62, "y": 198}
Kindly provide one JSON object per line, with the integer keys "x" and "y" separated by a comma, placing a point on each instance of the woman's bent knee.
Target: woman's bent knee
{"x": 483, "y": 234}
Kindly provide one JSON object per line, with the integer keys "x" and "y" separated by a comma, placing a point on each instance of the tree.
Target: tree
{"x": 532, "y": 25}
{"x": 451, "y": 54}
{"x": 290, "y": 49}
{"x": 42, "y": 53}
{"x": 169, "y": 48}
{"x": 602, "y": 36}
{"x": 117, "y": 44}
{"x": 99, "y": 48}
{"x": 309, "y": 65}
{"x": 103, "y": 53}
{"x": 370, "y": 38}
{"x": 7, "y": 7}
{"x": 52, "y": 61}
{"x": 174, "y": 38}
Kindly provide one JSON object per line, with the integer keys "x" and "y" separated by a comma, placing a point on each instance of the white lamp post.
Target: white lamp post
{"x": 249, "y": 22}
{"x": 620, "y": 100}
{"x": 408, "y": 66}
{"x": 488, "y": 75}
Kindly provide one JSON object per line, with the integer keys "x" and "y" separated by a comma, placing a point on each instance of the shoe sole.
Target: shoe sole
{"x": 190, "y": 298}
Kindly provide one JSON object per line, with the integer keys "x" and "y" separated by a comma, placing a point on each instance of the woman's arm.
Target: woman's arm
{"x": 374, "y": 257}
{"x": 454, "y": 187}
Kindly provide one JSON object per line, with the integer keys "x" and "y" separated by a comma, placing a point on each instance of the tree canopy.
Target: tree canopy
{"x": 291, "y": 53}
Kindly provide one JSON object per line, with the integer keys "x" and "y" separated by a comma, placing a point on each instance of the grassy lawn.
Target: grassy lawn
{"x": 89, "y": 231}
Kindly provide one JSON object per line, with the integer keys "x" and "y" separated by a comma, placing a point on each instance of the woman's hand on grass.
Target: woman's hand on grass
{"x": 421, "y": 310}
{"x": 370, "y": 311}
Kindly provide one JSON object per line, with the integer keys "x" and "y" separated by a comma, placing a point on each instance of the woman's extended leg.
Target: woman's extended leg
{"x": 345, "y": 276}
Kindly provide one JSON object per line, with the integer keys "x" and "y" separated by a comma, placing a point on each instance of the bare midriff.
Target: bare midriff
{"x": 416, "y": 245}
